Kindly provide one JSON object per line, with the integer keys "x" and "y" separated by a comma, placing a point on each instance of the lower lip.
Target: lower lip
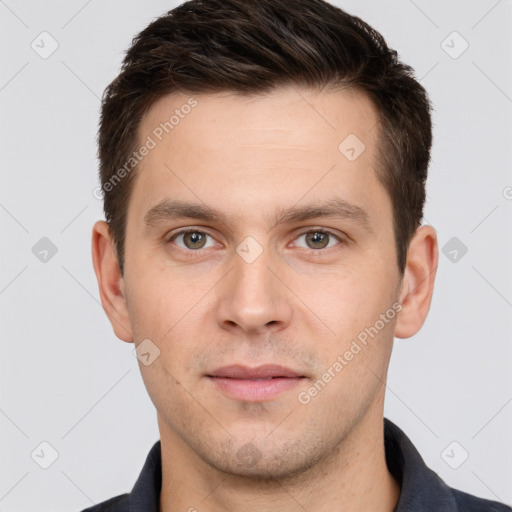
{"x": 255, "y": 390}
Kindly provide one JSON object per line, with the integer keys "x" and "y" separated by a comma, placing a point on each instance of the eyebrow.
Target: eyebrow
{"x": 336, "y": 208}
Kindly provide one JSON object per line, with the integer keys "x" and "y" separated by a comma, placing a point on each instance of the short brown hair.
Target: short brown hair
{"x": 253, "y": 46}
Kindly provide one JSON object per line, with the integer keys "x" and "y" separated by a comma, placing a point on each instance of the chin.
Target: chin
{"x": 260, "y": 462}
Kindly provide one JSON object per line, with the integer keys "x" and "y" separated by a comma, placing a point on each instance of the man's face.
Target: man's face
{"x": 253, "y": 287}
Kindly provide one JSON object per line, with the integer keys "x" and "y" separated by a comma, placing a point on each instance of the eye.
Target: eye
{"x": 196, "y": 240}
{"x": 318, "y": 239}
{"x": 192, "y": 239}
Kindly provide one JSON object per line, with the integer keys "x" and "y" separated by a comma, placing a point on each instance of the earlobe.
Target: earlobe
{"x": 418, "y": 282}
{"x": 110, "y": 281}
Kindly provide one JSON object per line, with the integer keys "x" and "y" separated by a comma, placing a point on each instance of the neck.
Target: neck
{"x": 353, "y": 478}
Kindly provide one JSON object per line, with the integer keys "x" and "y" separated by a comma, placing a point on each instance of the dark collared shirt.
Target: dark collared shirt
{"x": 421, "y": 488}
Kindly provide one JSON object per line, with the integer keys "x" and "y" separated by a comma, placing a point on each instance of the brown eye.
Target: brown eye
{"x": 191, "y": 240}
{"x": 318, "y": 239}
{"x": 195, "y": 239}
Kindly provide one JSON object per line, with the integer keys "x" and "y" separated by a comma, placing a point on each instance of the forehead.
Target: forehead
{"x": 263, "y": 150}
{"x": 286, "y": 116}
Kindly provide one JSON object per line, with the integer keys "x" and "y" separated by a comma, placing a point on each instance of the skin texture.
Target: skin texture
{"x": 299, "y": 304}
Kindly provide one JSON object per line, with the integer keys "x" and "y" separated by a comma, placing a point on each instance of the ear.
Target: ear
{"x": 418, "y": 282}
{"x": 110, "y": 281}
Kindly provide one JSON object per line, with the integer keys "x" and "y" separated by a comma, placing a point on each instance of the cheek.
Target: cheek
{"x": 358, "y": 308}
{"x": 348, "y": 300}
{"x": 157, "y": 303}
{"x": 170, "y": 313}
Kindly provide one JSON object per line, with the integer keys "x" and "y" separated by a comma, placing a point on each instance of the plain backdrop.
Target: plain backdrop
{"x": 67, "y": 381}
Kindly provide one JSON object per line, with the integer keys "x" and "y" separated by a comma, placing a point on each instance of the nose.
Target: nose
{"x": 253, "y": 300}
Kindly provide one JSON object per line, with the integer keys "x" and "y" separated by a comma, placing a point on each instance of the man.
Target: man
{"x": 263, "y": 164}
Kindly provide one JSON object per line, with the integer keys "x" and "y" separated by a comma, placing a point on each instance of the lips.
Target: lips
{"x": 268, "y": 371}
{"x": 254, "y": 384}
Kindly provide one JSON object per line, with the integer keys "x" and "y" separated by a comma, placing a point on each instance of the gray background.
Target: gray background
{"x": 66, "y": 379}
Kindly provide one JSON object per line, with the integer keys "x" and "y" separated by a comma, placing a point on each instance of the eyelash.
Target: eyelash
{"x": 197, "y": 252}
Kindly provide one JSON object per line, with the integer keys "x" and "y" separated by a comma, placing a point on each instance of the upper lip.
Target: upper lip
{"x": 265, "y": 371}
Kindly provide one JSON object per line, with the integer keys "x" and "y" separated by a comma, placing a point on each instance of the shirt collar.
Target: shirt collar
{"x": 421, "y": 488}
{"x": 145, "y": 494}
